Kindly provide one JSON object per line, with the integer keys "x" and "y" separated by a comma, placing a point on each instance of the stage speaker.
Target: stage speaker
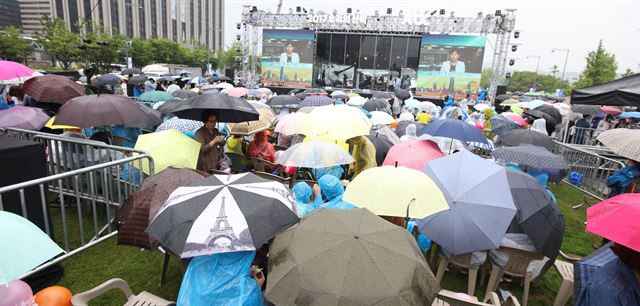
{"x": 501, "y": 90}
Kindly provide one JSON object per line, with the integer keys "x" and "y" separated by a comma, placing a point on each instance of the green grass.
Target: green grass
{"x": 142, "y": 269}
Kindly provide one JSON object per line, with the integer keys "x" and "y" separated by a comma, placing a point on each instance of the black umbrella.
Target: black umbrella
{"x": 100, "y": 110}
{"x": 108, "y": 79}
{"x": 381, "y": 143}
{"x": 228, "y": 109}
{"x": 138, "y": 79}
{"x": 501, "y": 125}
{"x": 520, "y": 136}
{"x": 537, "y": 114}
{"x": 501, "y": 98}
{"x": 401, "y": 129}
{"x": 530, "y": 155}
{"x": 168, "y": 107}
{"x": 153, "y": 118}
{"x": 219, "y": 79}
{"x": 537, "y": 215}
{"x": 402, "y": 94}
{"x": 551, "y": 111}
{"x": 128, "y": 71}
{"x": 283, "y": 100}
{"x": 223, "y": 213}
{"x": 184, "y": 94}
{"x": 586, "y": 109}
{"x": 376, "y": 105}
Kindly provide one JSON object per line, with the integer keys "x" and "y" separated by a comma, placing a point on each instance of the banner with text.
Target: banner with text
{"x": 287, "y": 57}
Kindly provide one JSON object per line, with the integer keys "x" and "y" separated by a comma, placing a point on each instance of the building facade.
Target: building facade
{"x": 10, "y": 15}
{"x": 30, "y": 12}
{"x": 179, "y": 20}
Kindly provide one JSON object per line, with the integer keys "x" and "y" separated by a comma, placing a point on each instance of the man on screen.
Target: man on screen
{"x": 453, "y": 65}
{"x": 289, "y": 56}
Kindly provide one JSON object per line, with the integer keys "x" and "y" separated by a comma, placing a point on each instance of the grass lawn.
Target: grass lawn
{"x": 142, "y": 268}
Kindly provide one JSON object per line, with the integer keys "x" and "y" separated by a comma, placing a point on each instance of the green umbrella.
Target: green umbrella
{"x": 155, "y": 96}
{"x": 25, "y": 249}
{"x": 348, "y": 257}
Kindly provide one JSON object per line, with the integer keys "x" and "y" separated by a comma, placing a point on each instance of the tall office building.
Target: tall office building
{"x": 179, "y": 20}
{"x": 30, "y": 12}
{"x": 10, "y": 15}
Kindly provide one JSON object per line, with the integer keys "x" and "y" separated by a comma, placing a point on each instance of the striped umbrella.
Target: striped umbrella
{"x": 413, "y": 154}
{"x": 530, "y": 155}
{"x": 316, "y": 101}
{"x": 23, "y": 117}
{"x": 223, "y": 213}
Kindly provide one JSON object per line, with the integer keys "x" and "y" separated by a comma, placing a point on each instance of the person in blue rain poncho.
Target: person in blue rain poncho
{"x": 332, "y": 190}
{"x": 336, "y": 171}
{"x": 304, "y": 205}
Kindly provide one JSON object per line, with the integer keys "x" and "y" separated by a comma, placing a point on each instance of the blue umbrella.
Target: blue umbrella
{"x": 588, "y": 266}
{"x": 480, "y": 204}
{"x": 456, "y": 129}
{"x": 629, "y": 115}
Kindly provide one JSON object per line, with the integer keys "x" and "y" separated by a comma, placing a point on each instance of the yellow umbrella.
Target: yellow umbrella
{"x": 397, "y": 192}
{"x": 168, "y": 148}
{"x": 339, "y": 122}
{"x": 509, "y": 102}
{"x": 516, "y": 109}
{"x": 58, "y": 127}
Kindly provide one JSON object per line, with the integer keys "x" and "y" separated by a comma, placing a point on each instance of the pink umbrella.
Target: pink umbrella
{"x": 14, "y": 73}
{"x": 413, "y": 154}
{"x": 289, "y": 124}
{"x": 238, "y": 92}
{"x": 23, "y": 117}
{"x": 610, "y": 110}
{"x": 617, "y": 219}
{"x": 515, "y": 118}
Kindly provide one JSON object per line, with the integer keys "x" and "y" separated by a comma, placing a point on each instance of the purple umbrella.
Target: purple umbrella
{"x": 23, "y": 117}
{"x": 100, "y": 110}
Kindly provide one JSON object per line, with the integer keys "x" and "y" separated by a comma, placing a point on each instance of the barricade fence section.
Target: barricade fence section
{"x": 582, "y": 136}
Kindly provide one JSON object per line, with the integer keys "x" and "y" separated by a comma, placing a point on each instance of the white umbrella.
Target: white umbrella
{"x": 224, "y": 86}
{"x": 155, "y": 69}
{"x": 381, "y": 118}
{"x": 357, "y": 101}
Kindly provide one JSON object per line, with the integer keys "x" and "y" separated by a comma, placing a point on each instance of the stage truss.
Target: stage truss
{"x": 501, "y": 25}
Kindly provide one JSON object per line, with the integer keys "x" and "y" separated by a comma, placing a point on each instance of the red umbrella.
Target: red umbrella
{"x": 413, "y": 154}
{"x": 52, "y": 88}
{"x": 617, "y": 220}
{"x": 515, "y": 118}
{"x": 610, "y": 110}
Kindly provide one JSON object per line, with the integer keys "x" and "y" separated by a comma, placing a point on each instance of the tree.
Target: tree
{"x": 627, "y": 73}
{"x": 12, "y": 46}
{"x": 104, "y": 49}
{"x": 141, "y": 52}
{"x": 523, "y": 80}
{"x": 58, "y": 41}
{"x": 601, "y": 68}
{"x": 554, "y": 70}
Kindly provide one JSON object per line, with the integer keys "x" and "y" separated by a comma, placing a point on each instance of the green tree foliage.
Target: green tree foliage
{"x": 141, "y": 52}
{"x": 627, "y": 73}
{"x": 12, "y": 46}
{"x": 58, "y": 41}
{"x": 601, "y": 68}
{"x": 523, "y": 80}
{"x": 485, "y": 78}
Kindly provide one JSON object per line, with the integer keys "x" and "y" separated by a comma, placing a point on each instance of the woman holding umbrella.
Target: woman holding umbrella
{"x": 211, "y": 152}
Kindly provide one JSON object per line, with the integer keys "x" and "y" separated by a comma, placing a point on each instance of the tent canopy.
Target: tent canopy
{"x": 621, "y": 92}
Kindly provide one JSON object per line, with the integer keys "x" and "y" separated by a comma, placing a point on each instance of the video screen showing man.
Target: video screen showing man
{"x": 453, "y": 64}
{"x": 289, "y": 56}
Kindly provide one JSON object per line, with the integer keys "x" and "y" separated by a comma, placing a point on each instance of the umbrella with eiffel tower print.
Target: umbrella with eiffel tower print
{"x": 223, "y": 213}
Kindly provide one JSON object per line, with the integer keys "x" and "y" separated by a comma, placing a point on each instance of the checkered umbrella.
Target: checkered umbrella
{"x": 530, "y": 155}
{"x": 52, "y": 88}
{"x": 623, "y": 142}
{"x": 182, "y": 125}
{"x": 23, "y": 117}
{"x": 413, "y": 154}
{"x": 316, "y": 101}
{"x": 501, "y": 125}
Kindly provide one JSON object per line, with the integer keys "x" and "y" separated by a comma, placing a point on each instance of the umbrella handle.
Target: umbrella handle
{"x": 406, "y": 219}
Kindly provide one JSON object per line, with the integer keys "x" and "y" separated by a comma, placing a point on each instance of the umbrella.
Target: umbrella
{"x": 630, "y": 115}
{"x": 515, "y": 118}
{"x": 402, "y": 94}
{"x": 128, "y": 71}
{"x": 107, "y": 79}
{"x": 501, "y": 98}
{"x": 586, "y": 109}
{"x": 388, "y": 132}
{"x": 290, "y": 123}
{"x": 456, "y": 129}
{"x": 168, "y": 148}
{"x": 623, "y": 142}
{"x": 184, "y": 94}
{"x": 480, "y": 204}
{"x": 153, "y": 118}
{"x": 228, "y": 109}
{"x": 396, "y": 191}
{"x": 551, "y": 111}
{"x": 381, "y": 118}
{"x": 52, "y": 88}
{"x": 509, "y": 102}
{"x": 182, "y": 125}
{"x": 52, "y": 126}
{"x": 15, "y": 73}
{"x": 219, "y": 79}
{"x": 610, "y": 110}
{"x": 536, "y": 103}
{"x": 99, "y": 110}
{"x": 138, "y": 79}
{"x": 23, "y": 117}
{"x": 376, "y": 105}
{"x": 348, "y": 257}
{"x": 501, "y": 125}
{"x": 283, "y": 100}
{"x": 24, "y": 247}
{"x": 532, "y": 156}
{"x": 428, "y": 107}
{"x": 315, "y": 154}
{"x": 140, "y": 207}
{"x": 337, "y": 122}
{"x": 586, "y": 267}
{"x": 382, "y": 143}
{"x": 356, "y": 101}
{"x": 564, "y": 109}
{"x": 238, "y": 92}
{"x": 413, "y": 154}
{"x": 413, "y": 104}
{"x": 520, "y": 136}
{"x": 537, "y": 215}
{"x": 315, "y": 91}
{"x": 155, "y": 96}
{"x": 316, "y": 101}
{"x": 264, "y": 122}
{"x": 481, "y": 107}
{"x": 401, "y": 129}
{"x": 224, "y": 86}
{"x": 223, "y": 213}
{"x": 539, "y": 114}
{"x": 168, "y": 107}
{"x": 617, "y": 220}
{"x": 155, "y": 69}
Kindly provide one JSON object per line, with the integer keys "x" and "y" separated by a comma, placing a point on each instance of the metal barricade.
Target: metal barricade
{"x": 582, "y": 136}
{"x": 595, "y": 168}
{"x": 85, "y": 209}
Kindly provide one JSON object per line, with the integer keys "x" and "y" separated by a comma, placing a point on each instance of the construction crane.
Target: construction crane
{"x": 279, "y": 6}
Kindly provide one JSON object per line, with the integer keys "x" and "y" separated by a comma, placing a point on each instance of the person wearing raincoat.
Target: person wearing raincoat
{"x": 364, "y": 154}
{"x": 539, "y": 125}
{"x": 336, "y": 171}
{"x": 332, "y": 190}
{"x": 260, "y": 147}
{"x": 488, "y": 114}
{"x": 304, "y": 205}
{"x": 410, "y": 133}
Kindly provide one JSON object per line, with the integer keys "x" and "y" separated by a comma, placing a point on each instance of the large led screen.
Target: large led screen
{"x": 287, "y": 57}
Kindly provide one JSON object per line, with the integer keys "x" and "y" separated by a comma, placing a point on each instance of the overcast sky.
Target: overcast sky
{"x": 545, "y": 24}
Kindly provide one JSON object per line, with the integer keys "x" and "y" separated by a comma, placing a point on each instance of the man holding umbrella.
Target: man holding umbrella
{"x": 211, "y": 152}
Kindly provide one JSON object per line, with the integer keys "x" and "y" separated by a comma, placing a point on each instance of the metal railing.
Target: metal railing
{"x": 582, "y": 136}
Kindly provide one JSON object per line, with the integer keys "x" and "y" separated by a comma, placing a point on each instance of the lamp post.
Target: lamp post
{"x": 563, "y": 69}
{"x": 535, "y": 77}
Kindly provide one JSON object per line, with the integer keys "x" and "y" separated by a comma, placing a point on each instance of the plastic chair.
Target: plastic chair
{"x": 517, "y": 266}
{"x": 463, "y": 261}
{"x": 263, "y": 165}
{"x": 565, "y": 270}
{"x": 237, "y": 162}
{"x": 143, "y": 298}
{"x": 446, "y": 297}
